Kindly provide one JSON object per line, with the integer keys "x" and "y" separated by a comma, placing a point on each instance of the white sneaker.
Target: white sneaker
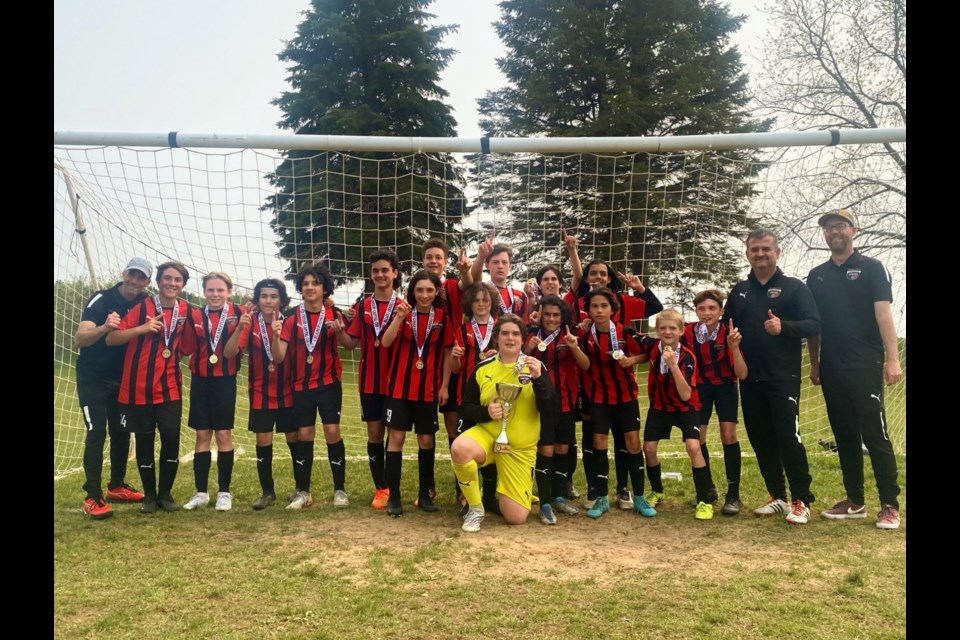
{"x": 625, "y": 498}
{"x": 200, "y": 499}
{"x": 472, "y": 520}
{"x": 773, "y": 506}
{"x": 301, "y": 500}
{"x": 224, "y": 501}
{"x": 800, "y": 513}
{"x": 340, "y": 498}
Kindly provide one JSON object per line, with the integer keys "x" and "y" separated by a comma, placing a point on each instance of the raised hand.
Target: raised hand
{"x": 276, "y": 326}
{"x": 535, "y": 366}
{"x": 532, "y": 343}
{"x": 534, "y": 317}
{"x": 670, "y": 357}
{"x": 569, "y": 241}
{"x": 245, "y": 319}
{"x": 734, "y": 337}
{"x": 632, "y": 281}
{"x": 463, "y": 262}
{"x": 772, "y": 324}
{"x": 154, "y": 324}
{"x": 457, "y": 351}
{"x": 403, "y": 309}
{"x": 349, "y": 313}
{"x": 570, "y": 339}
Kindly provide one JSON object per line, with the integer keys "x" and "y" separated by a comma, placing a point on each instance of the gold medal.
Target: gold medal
{"x": 419, "y": 364}
{"x": 271, "y": 367}
{"x": 213, "y": 358}
{"x": 166, "y": 353}
{"x": 310, "y": 359}
{"x": 616, "y": 355}
{"x": 376, "y": 342}
{"x": 542, "y": 346}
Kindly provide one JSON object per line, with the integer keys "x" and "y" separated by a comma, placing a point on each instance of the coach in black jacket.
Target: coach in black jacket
{"x": 774, "y": 313}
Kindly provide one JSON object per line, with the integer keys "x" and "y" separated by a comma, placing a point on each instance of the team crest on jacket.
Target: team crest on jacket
{"x": 774, "y": 292}
{"x": 853, "y": 274}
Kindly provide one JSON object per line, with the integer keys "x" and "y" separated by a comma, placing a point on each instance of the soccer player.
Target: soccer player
{"x": 370, "y": 319}
{"x": 610, "y": 383}
{"x": 98, "y": 382}
{"x": 483, "y": 408}
{"x": 309, "y": 337}
{"x": 774, "y": 313}
{"x": 213, "y": 388}
{"x": 424, "y": 337}
{"x": 435, "y": 260}
{"x": 856, "y": 352}
{"x": 497, "y": 259}
{"x": 553, "y": 343}
{"x": 151, "y": 383}
{"x": 271, "y": 395}
{"x": 720, "y": 365}
{"x": 473, "y": 342}
{"x": 672, "y": 388}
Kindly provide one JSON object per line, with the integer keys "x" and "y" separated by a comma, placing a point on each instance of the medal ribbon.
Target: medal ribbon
{"x": 503, "y": 307}
{"x": 215, "y": 340}
{"x": 375, "y": 315}
{"x": 416, "y": 335}
{"x": 482, "y": 342}
{"x": 614, "y": 342}
{"x": 265, "y": 337}
{"x": 174, "y": 316}
{"x": 305, "y": 326}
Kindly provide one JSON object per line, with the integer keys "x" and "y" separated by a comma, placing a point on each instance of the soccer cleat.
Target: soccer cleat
{"x": 731, "y": 507}
{"x": 704, "y": 511}
{"x": 600, "y": 507}
{"x": 380, "y": 498}
{"x": 425, "y": 503}
{"x": 772, "y": 507}
{"x": 96, "y": 509}
{"x": 800, "y": 513}
{"x": 888, "y": 518}
{"x": 224, "y": 501}
{"x": 572, "y": 493}
{"x": 395, "y": 507}
{"x": 625, "y": 499}
{"x": 471, "y": 521}
{"x": 300, "y": 500}
{"x": 564, "y": 507}
{"x": 149, "y": 504}
{"x": 712, "y": 495}
{"x": 167, "y": 503}
{"x": 123, "y": 493}
{"x": 845, "y": 510}
{"x": 654, "y": 498}
{"x": 546, "y": 514}
{"x": 201, "y": 499}
{"x": 642, "y": 506}
{"x": 340, "y": 498}
{"x": 264, "y": 501}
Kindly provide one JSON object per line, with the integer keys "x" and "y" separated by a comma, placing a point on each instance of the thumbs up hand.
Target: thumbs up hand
{"x": 772, "y": 324}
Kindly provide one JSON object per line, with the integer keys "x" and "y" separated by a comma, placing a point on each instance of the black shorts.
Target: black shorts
{"x": 404, "y": 415}
{"x": 724, "y": 396}
{"x": 326, "y": 400}
{"x": 98, "y": 402}
{"x": 213, "y": 401}
{"x": 624, "y": 416}
{"x": 263, "y": 420}
{"x": 451, "y": 404}
{"x": 659, "y": 424}
{"x": 583, "y": 403}
{"x": 561, "y": 430}
{"x": 371, "y": 406}
{"x": 144, "y": 418}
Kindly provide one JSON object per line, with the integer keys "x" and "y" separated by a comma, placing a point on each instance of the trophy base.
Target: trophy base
{"x": 501, "y": 447}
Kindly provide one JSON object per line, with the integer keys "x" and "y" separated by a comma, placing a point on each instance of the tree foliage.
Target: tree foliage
{"x": 363, "y": 67}
{"x": 842, "y": 64}
{"x": 613, "y": 68}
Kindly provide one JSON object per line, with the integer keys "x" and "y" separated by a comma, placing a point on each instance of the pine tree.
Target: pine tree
{"x": 613, "y": 68}
{"x": 364, "y": 67}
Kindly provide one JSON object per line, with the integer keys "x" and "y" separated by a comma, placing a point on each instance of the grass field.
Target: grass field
{"x": 356, "y": 573}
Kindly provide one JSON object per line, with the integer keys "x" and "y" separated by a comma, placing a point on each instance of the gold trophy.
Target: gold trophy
{"x": 507, "y": 392}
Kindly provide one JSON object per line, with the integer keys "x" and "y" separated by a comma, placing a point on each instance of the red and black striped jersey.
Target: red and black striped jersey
{"x": 374, "y": 358}
{"x": 661, "y": 388}
{"x": 148, "y": 377}
{"x": 451, "y": 295}
{"x": 714, "y": 359}
{"x": 562, "y": 368}
{"x": 472, "y": 356}
{"x": 198, "y": 334}
{"x": 631, "y": 308}
{"x": 323, "y": 366}
{"x": 407, "y": 382}
{"x": 267, "y": 389}
{"x": 606, "y": 382}
{"x": 520, "y": 305}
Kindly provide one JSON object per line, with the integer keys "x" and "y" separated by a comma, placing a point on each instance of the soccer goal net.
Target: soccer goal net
{"x": 673, "y": 211}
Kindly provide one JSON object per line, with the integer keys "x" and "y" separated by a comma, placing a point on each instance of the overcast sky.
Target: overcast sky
{"x": 211, "y": 65}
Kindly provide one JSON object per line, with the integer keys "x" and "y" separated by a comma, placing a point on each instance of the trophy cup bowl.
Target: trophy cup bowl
{"x": 507, "y": 392}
